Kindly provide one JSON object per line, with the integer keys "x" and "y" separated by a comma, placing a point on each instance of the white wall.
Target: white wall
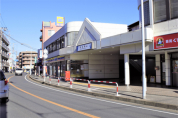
{"x": 103, "y": 66}
{"x": 167, "y": 27}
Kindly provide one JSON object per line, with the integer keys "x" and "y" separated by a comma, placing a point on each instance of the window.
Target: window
{"x": 50, "y": 50}
{"x": 62, "y": 41}
{"x": 160, "y": 13}
{"x": 146, "y": 14}
{"x": 70, "y": 37}
{"x": 165, "y": 10}
{"x": 174, "y": 8}
{"x": 58, "y": 44}
{"x": 51, "y": 32}
{"x": 54, "y": 46}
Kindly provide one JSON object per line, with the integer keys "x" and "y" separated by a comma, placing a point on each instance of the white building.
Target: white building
{"x": 104, "y": 50}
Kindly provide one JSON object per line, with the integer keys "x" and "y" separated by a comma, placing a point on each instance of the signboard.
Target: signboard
{"x": 166, "y": 41}
{"x": 84, "y": 47}
{"x": 152, "y": 79}
{"x": 40, "y": 53}
{"x": 59, "y": 58}
{"x": 60, "y": 21}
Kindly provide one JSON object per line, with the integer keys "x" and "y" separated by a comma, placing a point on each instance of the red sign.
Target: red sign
{"x": 166, "y": 41}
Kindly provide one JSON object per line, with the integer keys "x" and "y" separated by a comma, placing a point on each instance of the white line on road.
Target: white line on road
{"x": 102, "y": 100}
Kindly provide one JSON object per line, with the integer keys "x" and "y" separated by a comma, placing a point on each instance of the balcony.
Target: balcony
{"x": 28, "y": 59}
{"x": 28, "y": 63}
{"x": 4, "y": 38}
{"x": 5, "y": 63}
{"x": 5, "y": 47}
{"x": 5, "y": 55}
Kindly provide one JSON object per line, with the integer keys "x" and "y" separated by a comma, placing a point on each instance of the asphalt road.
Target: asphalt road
{"x": 28, "y": 100}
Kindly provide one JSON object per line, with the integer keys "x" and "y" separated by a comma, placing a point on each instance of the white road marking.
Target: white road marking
{"x": 103, "y": 100}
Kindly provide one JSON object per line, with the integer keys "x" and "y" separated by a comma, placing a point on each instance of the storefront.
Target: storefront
{"x": 174, "y": 68}
{"x": 169, "y": 60}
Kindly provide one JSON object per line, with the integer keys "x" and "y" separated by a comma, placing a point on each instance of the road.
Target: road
{"x": 31, "y": 100}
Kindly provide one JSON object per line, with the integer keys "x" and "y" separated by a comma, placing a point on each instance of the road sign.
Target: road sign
{"x": 45, "y": 56}
{"x": 45, "y": 51}
{"x": 16, "y": 60}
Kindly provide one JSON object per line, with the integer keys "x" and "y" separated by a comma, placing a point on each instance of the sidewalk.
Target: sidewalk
{"x": 158, "y": 97}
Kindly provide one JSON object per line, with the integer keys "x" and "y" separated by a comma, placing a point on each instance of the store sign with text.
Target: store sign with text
{"x": 84, "y": 47}
{"x": 166, "y": 41}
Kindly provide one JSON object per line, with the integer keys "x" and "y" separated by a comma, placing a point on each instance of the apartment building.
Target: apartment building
{"x": 25, "y": 59}
{"x": 4, "y": 52}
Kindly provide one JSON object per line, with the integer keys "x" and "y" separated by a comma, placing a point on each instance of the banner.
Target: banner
{"x": 166, "y": 41}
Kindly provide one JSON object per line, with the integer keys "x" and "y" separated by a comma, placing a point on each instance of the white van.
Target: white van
{"x": 4, "y": 88}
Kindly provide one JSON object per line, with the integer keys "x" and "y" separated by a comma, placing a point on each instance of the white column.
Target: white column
{"x": 158, "y": 72}
{"x": 127, "y": 69}
{"x": 167, "y": 67}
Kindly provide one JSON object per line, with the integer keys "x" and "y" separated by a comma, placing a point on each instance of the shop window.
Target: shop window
{"x": 78, "y": 68}
{"x": 174, "y": 9}
{"x": 71, "y": 37}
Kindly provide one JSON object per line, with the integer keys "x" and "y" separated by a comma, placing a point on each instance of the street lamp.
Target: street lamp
{"x": 2, "y": 28}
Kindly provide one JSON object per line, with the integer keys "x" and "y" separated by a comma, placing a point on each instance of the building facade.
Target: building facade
{"x": 48, "y": 29}
{"x": 4, "y": 55}
{"x": 107, "y": 51}
{"x": 25, "y": 59}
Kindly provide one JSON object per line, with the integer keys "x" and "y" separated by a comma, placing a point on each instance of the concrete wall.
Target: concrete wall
{"x": 103, "y": 66}
{"x": 135, "y": 48}
{"x": 167, "y": 27}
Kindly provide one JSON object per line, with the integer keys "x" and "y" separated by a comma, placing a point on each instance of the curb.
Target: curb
{"x": 143, "y": 102}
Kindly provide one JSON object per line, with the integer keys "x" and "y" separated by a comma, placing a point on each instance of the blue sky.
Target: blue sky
{"x": 23, "y": 18}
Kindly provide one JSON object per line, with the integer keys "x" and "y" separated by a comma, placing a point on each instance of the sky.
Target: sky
{"x": 23, "y": 18}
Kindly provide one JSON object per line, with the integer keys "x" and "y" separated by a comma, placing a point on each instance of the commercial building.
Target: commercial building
{"x": 4, "y": 55}
{"x": 25, "y": 59}
{"x": 106, "y": 51}
{"x": 48, "y": 29}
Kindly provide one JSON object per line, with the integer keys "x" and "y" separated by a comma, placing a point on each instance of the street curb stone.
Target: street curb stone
{"x": 143, "y": 102}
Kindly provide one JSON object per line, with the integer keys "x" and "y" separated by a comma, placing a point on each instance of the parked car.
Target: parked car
{"x": 18, "y": 71}
{"x": 4, "y": 88}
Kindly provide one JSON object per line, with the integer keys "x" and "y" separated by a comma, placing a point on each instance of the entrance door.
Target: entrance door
{"x": 175, "y": 72}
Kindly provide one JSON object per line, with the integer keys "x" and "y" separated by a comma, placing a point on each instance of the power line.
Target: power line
{"x": 3, "y": 21}
{"x": 20, "y": 42}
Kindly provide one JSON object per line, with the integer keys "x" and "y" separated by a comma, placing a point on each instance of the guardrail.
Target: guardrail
{"x": 70, "y": 83}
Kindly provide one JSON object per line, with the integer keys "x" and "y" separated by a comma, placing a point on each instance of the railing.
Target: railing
{"x": 4, "y": 38}
{"x": 4, "y": 63}
{"x": 5, "y": 47}
{"x": 4, "y": 54}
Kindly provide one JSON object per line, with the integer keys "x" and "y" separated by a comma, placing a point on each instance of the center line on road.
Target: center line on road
{"x": 102, "y": 99}
{"x": 68, "y": 108}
